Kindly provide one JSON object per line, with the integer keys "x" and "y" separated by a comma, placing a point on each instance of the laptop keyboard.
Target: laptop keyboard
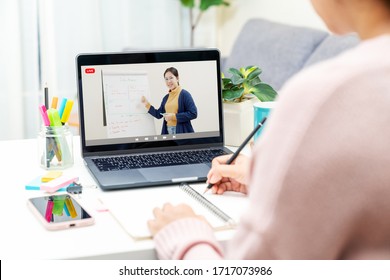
{"x": 156, "y": 160}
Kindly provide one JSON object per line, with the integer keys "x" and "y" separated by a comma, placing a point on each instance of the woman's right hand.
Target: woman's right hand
{"x": 231, "y": 177}
{"x": 144, "y": 100}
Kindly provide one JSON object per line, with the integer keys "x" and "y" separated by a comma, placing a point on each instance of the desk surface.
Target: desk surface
{"x": 23, "y": 237}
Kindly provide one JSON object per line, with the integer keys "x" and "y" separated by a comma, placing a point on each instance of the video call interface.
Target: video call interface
{"x": 114, "y": 111}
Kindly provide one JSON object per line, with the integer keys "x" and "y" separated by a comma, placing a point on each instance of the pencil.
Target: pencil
{"x": 46, "y": 96}
{"x": 237, "y": 152}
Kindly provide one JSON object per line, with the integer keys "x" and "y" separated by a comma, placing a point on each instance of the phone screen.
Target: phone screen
{"x": 59, "y": 208}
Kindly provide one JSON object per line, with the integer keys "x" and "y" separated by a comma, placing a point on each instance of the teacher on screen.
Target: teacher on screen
{"x": 177, "y": 106}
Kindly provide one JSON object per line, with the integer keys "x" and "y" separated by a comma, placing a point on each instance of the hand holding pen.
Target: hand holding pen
{"x": 226, "y": 171}
{"x": 233, "y": 177}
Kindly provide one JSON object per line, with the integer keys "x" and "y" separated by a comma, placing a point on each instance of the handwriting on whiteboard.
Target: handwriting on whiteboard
{"x": 126, "y": 115}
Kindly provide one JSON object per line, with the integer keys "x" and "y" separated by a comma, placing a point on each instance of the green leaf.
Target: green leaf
{"x": 188, "y": 3}
{"x": 254, "y": 81}
{"x": 205, "y": 4}
{"x": 264, "y": 92}
{"x": 254, "y": 73}
{"x": 232, "y": 94}
{"x": 236, "y": 79}
{"x": 234, "y": 71}
{"x": 247, "y": 70}
{"x": 226, "y": 83}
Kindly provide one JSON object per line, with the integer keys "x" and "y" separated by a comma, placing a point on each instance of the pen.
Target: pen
{"x": 237, "y": 152}
{"x": 46, "y": 97}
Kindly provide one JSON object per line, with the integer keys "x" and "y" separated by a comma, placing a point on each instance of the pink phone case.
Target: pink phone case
{"x": 46, "y": 217}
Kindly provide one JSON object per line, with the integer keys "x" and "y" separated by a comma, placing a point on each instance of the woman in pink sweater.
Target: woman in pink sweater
{"x": 319, "y": 178}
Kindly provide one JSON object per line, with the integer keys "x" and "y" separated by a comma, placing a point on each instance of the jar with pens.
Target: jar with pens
{"x": 55, "y": 140}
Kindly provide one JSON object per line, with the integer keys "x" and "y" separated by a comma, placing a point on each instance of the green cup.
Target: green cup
{"x": 261, "y": 110}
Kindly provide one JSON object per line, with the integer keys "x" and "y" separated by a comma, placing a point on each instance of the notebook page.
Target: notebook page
{"x": 133, "y": 208}
{"x": 232, "y": 203}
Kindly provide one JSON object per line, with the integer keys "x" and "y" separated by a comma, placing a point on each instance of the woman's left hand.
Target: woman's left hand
{"x": 169, "y": 117}
{"x": 169, "y": 213}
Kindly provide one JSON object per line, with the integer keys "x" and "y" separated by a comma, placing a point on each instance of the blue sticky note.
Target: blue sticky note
{"x": 35, "y": 185}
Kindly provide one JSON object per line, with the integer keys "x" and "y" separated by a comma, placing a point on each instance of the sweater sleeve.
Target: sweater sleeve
{"x": 188, "y": 238}
{"x": 157, "y": 112}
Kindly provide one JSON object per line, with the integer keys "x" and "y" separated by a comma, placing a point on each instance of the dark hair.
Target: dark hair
{"x": 173, "y": 70}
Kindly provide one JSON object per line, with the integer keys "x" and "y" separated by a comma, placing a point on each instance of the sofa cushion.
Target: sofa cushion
{"x": 280, "y": 50}
{"x": 332, "y": 46}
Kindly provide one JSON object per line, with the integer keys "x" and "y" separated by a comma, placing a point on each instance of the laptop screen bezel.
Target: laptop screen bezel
{"x": 148, "y": 57}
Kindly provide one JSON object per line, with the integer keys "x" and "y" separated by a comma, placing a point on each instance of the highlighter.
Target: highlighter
{"x": 54, "y": 102}
{"x": 62, "y": 107}
{"x": 66, "y": 113}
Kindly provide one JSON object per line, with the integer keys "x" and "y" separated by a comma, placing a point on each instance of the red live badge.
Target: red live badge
{"x": 89, "y": 70}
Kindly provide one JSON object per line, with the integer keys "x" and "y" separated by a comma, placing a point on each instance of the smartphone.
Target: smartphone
{"x": 59, "y": 211}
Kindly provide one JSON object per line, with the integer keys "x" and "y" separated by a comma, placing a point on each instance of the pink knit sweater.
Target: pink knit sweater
{"x": 320, "y": 174}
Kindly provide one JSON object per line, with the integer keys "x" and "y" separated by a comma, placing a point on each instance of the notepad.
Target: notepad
{"x": 133, "y": 208}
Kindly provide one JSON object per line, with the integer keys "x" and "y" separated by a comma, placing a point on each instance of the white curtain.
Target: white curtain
{"x": 41, "y": 39}
{"x": 11, "y": 73}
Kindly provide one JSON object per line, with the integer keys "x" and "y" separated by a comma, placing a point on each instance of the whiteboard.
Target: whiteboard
{"x": 125, "y": 114}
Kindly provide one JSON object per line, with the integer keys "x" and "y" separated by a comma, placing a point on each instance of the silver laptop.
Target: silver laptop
{"x": 138, "y": 128}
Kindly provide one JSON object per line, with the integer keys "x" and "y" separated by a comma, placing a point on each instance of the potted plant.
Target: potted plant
{"x": 246, "y": 83}
{"x": 203, "y": 6}
{"x": 239, "y": 93}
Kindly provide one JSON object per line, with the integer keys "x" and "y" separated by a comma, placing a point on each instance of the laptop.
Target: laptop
{"x": 124, "y": 142}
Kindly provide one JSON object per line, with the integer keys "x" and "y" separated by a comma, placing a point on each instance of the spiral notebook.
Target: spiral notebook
{"x": 133, "y": 208}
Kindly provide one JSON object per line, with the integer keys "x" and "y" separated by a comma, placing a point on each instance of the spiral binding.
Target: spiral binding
{"x": 206, "y": 203}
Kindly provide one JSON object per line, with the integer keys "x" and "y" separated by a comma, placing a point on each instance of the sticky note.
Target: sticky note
{"x": 35, "y": 185}
{"x": 58, "y": 183}
{"x": 51, "y": 175}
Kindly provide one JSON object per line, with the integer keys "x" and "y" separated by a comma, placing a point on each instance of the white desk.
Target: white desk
{"x": 23, "y": 237}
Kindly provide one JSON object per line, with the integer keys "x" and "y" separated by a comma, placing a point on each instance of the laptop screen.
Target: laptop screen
{"x": 149, "y": 100}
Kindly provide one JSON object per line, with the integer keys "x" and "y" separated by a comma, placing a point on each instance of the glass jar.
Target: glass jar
{"x": 55, "y": 147}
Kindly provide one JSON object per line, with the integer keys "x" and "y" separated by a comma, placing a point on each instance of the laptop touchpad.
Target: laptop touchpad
{"x": 168, "y": 173}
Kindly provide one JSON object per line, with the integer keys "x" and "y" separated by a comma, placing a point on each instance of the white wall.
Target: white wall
{"x": 232, "y": 18}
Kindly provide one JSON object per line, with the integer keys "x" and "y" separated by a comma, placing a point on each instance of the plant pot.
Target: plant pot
{"x": 238, "y": 121}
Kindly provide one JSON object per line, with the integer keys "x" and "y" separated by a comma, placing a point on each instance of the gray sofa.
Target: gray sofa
{"x": 281, "y": 50}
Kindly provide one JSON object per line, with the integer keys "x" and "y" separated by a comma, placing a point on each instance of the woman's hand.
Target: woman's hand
{"x": 169, "y": 117}
{"x": 144, "y": 100}
{"x": 231, "y": 177}
{"x": 168, "y": 214}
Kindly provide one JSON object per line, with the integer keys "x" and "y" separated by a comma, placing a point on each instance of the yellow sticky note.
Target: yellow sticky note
{"x": 51, "y": 175}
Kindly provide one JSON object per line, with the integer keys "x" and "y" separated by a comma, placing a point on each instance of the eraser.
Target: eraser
{"x": 58, "y": 183}
{"x": 51, "y": 175}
